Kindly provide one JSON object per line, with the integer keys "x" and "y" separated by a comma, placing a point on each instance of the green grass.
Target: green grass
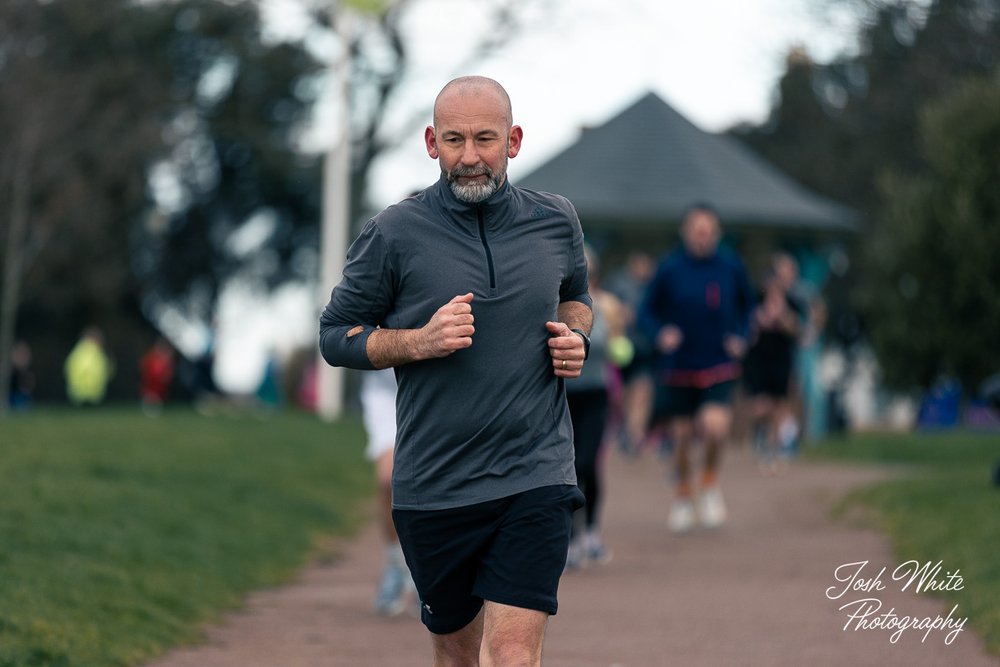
{"x": 121, "y": 535}
{"x": 941, "y": 506}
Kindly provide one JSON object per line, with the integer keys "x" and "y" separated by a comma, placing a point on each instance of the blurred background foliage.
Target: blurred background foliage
{"x": 934, "y": 301}
{"x": 908, "y": 132}
{"x": 154, "y": 151}
{"x": 139, "y": 138}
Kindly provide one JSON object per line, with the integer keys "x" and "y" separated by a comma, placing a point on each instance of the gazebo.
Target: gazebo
{"x": 631, "y": 178}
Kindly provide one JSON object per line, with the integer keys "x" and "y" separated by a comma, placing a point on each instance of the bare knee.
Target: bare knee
{"x": 461, "y": 648}
{"x": 715, "y": 422}
{"x": 512, "y": 637}
{"x": 456, "y": 656}
{"x": 510, "y": 650}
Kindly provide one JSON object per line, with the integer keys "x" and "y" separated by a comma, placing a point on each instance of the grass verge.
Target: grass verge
{"x": 942, "y": 506}
{"x": 121, "y": 535}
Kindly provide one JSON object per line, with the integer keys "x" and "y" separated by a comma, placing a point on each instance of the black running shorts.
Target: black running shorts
{"x": 511, "y": 551}
{"x": 671, "y": 401}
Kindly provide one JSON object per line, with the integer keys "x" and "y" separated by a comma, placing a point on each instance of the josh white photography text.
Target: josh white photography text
{"x": 858, "y": 586}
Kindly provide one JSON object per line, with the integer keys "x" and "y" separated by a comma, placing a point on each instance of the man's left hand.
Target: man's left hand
{"x": 734, "y": 345}
{"x": 566, "y": 349}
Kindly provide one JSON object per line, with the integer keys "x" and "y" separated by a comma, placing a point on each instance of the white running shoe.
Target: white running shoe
{"x": 597, "y": 553}
{"x": 393, "y": 589}
{"x": 711, "y": 507}
{"x": 576, "y": 556}
{"x": 682, "y": 516}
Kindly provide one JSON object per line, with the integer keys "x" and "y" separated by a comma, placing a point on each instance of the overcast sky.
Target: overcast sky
{"x": 715, "y": 61}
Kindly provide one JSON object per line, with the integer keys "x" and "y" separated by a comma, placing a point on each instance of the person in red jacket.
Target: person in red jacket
{"x": 156, "y": 370}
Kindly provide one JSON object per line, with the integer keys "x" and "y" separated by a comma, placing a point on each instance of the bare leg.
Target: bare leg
{"x": 460, "y": 648}
{"x": 395, "y": 583}
{"x": 714, "y": 422}
{"x": 681, "y": 517}
{"x": 383, "y": 477}
{"x": 783, "y": 441}
{"x": 681, "y": 434}
{"x": 761, "y": 427}
{"x": 512, "y": 636}
{"x": 638, "y": 400}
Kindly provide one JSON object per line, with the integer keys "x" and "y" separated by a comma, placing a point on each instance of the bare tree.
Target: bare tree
{"x": 90, "y": 94}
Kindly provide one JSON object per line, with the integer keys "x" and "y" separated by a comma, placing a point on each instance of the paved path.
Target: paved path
{"x": 750, "y": 594}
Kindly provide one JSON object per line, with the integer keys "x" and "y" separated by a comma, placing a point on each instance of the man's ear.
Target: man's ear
{"x": 430, "y": 142}
{"x": 514, "y": 141}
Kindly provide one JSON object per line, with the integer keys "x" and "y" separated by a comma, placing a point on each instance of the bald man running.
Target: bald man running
{"x": 475, "y": 291}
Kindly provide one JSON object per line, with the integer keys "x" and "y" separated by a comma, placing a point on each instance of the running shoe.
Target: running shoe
{"x": 599, "y": 554}
{"x": 711, "y": 507}
{"x": 575, "y": 556}
{"x": 682, "y": 516}
{"x": 392, "y": 590}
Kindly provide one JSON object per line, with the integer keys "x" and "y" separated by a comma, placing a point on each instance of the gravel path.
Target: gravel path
{"x": 752, "y": 593}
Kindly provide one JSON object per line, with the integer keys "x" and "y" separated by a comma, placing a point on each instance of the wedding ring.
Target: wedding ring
{"x": 564, "y": 363}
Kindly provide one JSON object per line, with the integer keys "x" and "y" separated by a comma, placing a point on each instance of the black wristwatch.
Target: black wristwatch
{"x": 586, "y": 342}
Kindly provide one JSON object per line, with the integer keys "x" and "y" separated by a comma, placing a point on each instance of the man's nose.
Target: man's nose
{"x": 470, "y": 154}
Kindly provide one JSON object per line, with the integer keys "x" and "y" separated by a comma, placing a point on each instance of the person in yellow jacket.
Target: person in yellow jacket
{"x": 88, "y": 369}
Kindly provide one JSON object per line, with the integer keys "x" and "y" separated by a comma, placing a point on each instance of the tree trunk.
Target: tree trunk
{"x": 13, "y": 265}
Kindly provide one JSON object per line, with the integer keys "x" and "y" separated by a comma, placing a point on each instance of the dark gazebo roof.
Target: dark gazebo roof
{"x": 647, "y": 164}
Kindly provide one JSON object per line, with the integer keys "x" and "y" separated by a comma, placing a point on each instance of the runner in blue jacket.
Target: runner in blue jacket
{"x": 697, "y": 310}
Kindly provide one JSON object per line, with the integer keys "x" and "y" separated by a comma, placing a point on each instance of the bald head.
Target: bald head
{"x": 473, "y": 137}
{"x": 467, "y": 87}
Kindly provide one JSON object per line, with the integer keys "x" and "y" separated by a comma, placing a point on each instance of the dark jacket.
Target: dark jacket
{"x": 490, "y": 420}
{"x": 707, "y": 299}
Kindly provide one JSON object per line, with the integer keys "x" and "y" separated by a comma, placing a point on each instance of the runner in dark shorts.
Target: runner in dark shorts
{"x": 511, "y": 551}
{"x": 775, "y": 329}
{"x": 697, "y": 309}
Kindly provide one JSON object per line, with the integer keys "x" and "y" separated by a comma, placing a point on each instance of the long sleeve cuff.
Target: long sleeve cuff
{"x": 345, "y": 346}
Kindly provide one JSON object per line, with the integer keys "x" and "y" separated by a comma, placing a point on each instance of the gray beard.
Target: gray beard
{"x": 473, "y": 193}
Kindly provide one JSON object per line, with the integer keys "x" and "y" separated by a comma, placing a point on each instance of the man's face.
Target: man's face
{"x": 786, "y": 272}
{"x": 701, "y": 233}
{"x": 472, "y": 141}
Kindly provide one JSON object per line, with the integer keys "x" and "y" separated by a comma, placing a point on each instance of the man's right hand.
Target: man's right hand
{"x": 450, "y": 328}
{"x": 669, "y": 339}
